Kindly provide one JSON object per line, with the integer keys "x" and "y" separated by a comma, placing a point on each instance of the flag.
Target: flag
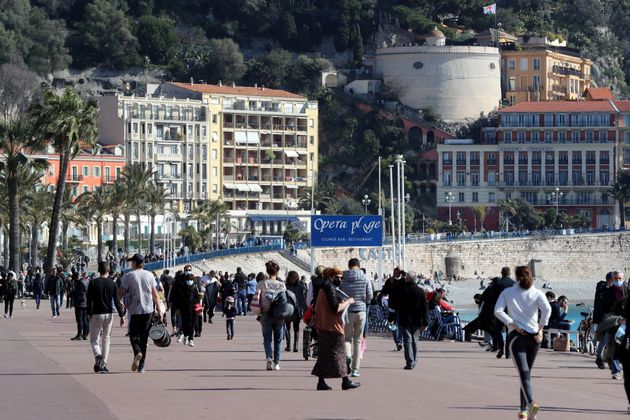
{"x": 490, "y": 9}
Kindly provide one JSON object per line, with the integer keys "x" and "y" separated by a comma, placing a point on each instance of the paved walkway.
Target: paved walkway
{"x": 45, "y": 375}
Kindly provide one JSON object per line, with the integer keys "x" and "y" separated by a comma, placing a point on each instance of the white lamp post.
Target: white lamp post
{"x": 450, "y": 197}
{"x": 366, "y": 202}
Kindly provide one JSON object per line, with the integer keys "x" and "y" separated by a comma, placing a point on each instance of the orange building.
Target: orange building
{"x": 91, "y": 168}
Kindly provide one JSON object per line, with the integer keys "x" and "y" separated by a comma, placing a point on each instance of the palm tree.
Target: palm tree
{"x": 69, "y": 215}
{"x": 117, "y": 202}
{"x": 38, "y": 208}
{"x": 209, "y": 212}
{"x": 620, "y": 191}
{"x": 67, "y": 121}
{"x": 15, "y": 140}
{"x": 94, "y": 206}
{"x": 156, "y": 199}
{"x": 136, "y": 178}
{"x": 508, "y": 208}
{"x": 480, "y": 214}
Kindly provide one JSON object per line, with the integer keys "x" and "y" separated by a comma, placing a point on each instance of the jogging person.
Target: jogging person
{"x": 523, "y": 301}
{"x": 101, "y": 293}
{"x": 142, "y": 297}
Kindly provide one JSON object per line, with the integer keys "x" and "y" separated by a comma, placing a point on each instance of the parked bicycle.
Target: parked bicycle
{"x": 586, "y": 335}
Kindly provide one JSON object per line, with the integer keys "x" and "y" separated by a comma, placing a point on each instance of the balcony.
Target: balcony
{"x": 74, "y": 178}
{"x": 177, "y": 157}
{"x": 108, "y": 180}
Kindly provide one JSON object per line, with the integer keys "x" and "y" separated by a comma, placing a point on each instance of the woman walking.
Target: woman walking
{"x": 10, "y": 290}
{"x": 331, "y": 361}
{"x": 184, "y": 295}
{"x": 299, "y": 290}
{"x": 525, "y": 331}
{"x": 271, "y": 327}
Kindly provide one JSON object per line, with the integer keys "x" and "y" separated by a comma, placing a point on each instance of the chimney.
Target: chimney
{"x": 220, "y": 84}
{"x": 192, "y": 82}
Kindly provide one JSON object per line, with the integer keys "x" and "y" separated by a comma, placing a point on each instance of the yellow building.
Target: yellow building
{"x": 543, "y": 73}
{"x": 262, "y": 144}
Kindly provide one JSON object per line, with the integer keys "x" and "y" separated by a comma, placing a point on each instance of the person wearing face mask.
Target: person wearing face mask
{"x": 183, "y": 297}
{"x": 390, "y": 284}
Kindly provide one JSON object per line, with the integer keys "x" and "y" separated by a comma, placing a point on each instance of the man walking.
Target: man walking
{"x": 141, "y": 296}
{"x": 79, "y": 298}
{"x": 54, "y": 288}
{"x": 210, "y": 298}
{"x": 413, "y": 315}
{"x": 240, "y": 279}
{"x": 599, "y": 312}
{"x": 390, "y": 284}
{"x": 356, "y": 285}
{"x": 101, "y": 292}
{"x": 489, "y": 300}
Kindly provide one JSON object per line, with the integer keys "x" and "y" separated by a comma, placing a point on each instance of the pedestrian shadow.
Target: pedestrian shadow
{"x": 265, "y": 389}
{"x": 572, "y": 410}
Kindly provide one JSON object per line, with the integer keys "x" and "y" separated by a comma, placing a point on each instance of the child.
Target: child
{"x": 229, "y": 310}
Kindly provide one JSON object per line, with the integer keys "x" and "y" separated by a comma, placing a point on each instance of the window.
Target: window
{"x": 508, "y": 157}
{"x": 474, "y": 179}
{"x": 590, "y": 158}
{"x": 85, "y": 171}
{"x": 135, "y": 150}
{"x": 563, "y": 158}
{"x": 204, "y": 171}
{"x": 549, "y": 179}
{"x": 562, "y": 137}
{"x": 311, "y": 139}
{"x": 548, "y": 136}
{"x": 215, "y": 171}
{"x": 511, "y": 64}
{"x": 522, "y": 158}
{"x": 536, "y": 178}
{"x": 51, "y": 170}
{"x": 475, "y": 197}
{"x": 96, "y": 171}
{"x": 512, "y": 85}
{"x": 577, "y": 178}
{"x": 536, "y": 63}
{"x": 536, "y": 82}
{"x": 601, "y": 136}
{"x": 492, "y": 159}
{"x": 550, "y": 158}
{"x": 562, "y": 120}
{"x": 491, "y": 179}
{"x": 461, "y": 178}
{"x": 535, "y": 136}
{"x": 575, "y": 136}
{"x": 474, "y": 158}
{"x": 604, "y": 157}
{"x": 577, "y": 157}
{"x": 548, "y": 120}
{"x": 214, "y": 154}
{"x": 521, "y": 136}
{"x": 86, "y": 189}
{"x": 446, "y": 179}
{"x": 604, "y": 178}
{"x": 590, "y": 178}
{"x": 311, "y": 122}
{"x": 523, "y": 64}
{"x": 462, "y": 197}
{"x": 461, "y": 158}
{"x": 507, "y": 137}
{"x": 536, "y": 158}
{"x": 491, "y": 197}
{"x": 589, "y": 137}
{"x": 446, "y": 158}
{"x": 522, "y": 177}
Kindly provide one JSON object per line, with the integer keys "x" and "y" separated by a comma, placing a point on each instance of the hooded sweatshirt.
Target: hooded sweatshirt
{"x": 356, "y": 284}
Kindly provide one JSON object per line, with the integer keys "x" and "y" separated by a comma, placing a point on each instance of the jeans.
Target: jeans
{"x": 83, "y": 325}
{"x": 353, "y": 332}
{"x": 397, "y": 335}
{"x": 524, "y": 350}
{"x": 229, "y": 327}
{"x": 38, "y": 298}
{"x": 272, "y": 327}
{"x": 98, "y": 323}
{"x": 139, "y": 326}
{"x": 54, "y": 304}
{"x": 601, "y": 345}
{"x": 410, "y": 345}
{"x": 241, "y": 302}
{"x": 249, "y": 302}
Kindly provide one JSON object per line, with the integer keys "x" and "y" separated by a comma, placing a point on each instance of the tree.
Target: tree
{"x": 190, "y": 237}
{"x": 344, "y": 22}
{"x": 480, "y": 214}
{"x": 38, "y": 207}
{"x": 136, "y": 178}
{"x": 157, "y": 38}
{"x": 15, "y": 142}
{"x": 18, "y": 88}
{"x": 65, "y": 121}
{"x": 210, "y": 212}
{"x": 104, "y": 37}
{"x": 94, "y": 206}
{"x": 508, "y": 208}
{"x": 156, "y": 198}
{"x": 620, "y": 191}
{"x": 226, "y": 62}
{"x": 118, "y": 200}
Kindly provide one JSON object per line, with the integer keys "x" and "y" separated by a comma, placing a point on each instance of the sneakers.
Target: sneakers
{"x": 522, "y": 415}
{"x": 76, "y": 338}
{"x": 104, "y": 370}
{"x": 600, "y": 363}
{"x": 141, "y": 369}
{"x": 349, "y": 385}
{"x": 186, "y": 341}
{"x": 355, "y": 373}
{"x": 399, "y": 347}
{"x": 276, "y": 366}
{"x": 98, "y": 363}
{"x": 190, "y": 343}
{"x": 269, "y": 365}
{"x": 180, "y": 337}
{"x": 532, "y": 411}
{"x": 5, "y": 316}
{"x": 136, "y": 362}
{"x": 617, "y": 375}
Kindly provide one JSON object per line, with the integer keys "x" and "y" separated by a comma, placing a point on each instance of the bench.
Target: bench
{"x": 557, "y": 331}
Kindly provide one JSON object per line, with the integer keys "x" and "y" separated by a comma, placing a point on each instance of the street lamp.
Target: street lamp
{"x": 366, "y": 202}
{"x": 556, "y": 195}
{"x": 449, "y": 198}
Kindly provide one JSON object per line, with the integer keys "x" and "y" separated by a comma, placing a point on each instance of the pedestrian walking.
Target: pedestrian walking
{"x": 298, "y": 288}
{"x": 54, "y": 289}
{"x": 240, "y": 279}
{"x": 390, "y": 284}
{"x": 523, "y": 303}
{"x": 358, "y": 286}
{"x": 138, "y": 286}
{"x": 251, "y": 291}
{"x": 184, "y": 296}
{"x": 600, "y": 310}
{"x": 229, "y": 310}
{"x": 331, "y": 361}
{"x": 211, "y": 294}
{"x": 79, "y": 301}
{"x": 101, "y": 298}
{"x": 272, "y": 328}
{"x": 38, "y": 287}
{"x": 413, "y": 315}
{"x": 9, "y": 292}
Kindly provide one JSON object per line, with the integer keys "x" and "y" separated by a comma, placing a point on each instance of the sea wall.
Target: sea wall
{"x": 571, "y": 257}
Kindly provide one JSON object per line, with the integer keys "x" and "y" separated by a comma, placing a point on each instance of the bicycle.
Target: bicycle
{"x": 586, "y": 335}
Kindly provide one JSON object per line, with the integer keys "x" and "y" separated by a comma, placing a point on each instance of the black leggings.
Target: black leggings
{"x": 188, "y": 321}
{"x": 524, "y": 350}
{"x": 296, "y": 333}
{"x": 8, "y": 305}
{"x": 625, "y": 362}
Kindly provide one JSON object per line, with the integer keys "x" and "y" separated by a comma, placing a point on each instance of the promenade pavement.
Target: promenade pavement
{"x": 45, "y": 375}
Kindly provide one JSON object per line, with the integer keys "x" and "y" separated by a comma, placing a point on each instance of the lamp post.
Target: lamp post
{"x": 556, "y": 195}
{"x": 366, "y": 202}
{"x": 450, "y": 197}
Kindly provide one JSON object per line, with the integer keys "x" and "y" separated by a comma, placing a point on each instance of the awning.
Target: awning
{"x": 253, "y": 137}
{"x": 240, "y": 136}
{"x": 242, "y": 187}
{"x": 292, "y": 186}
{"x": 302, "y": 152}
{"x": 291, "y": 153}
{"x": 229, "y": 186}
{"x": 273, "y": 218}
{"x": 255, "y": 188}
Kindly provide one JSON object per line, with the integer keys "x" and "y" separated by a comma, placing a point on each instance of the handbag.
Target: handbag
{"x": 198, "y": 308}
{"x": 308, "y": 315}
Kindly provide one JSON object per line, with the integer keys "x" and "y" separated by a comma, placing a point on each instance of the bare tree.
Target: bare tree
{"x": 18, "y": 88}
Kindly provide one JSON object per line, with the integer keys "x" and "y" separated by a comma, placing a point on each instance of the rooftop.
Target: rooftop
{"x": 560, "y": 106}
{"x": 237, "y": 90}
{"x": 598, "y": 94}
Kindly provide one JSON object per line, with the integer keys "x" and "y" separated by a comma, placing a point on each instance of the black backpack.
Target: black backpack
{"x": 283, "y": 305}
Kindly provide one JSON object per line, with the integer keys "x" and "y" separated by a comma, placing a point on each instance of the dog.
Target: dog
{"x": 23, "y": 304}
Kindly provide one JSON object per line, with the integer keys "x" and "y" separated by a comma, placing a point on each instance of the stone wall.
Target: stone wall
{"x": 557, "y": 258}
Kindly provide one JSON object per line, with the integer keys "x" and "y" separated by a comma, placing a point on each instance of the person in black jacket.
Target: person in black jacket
{"x": 38, "y": 287}
{"x": 489, "y": 300}
{"x": 79, "y": 301}
{"x": 599, "y": 312}
{"x": 184, "y": 295}
{"x": 390, "y": 285}
{"x": 54, "y": 289}
{"x": 413, "y": 316}
{"x": 240, "y": 279}
{"x": 101, "y": 292}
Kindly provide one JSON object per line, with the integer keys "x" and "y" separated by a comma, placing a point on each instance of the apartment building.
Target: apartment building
{"x": 542, "y": 73}
{"x": 537, "y": 148}
{"x": 263, "y": 143}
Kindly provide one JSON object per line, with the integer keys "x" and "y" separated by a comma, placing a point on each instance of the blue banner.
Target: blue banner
{"x": 333, "y": 231}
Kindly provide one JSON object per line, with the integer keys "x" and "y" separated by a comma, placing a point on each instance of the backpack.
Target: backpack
{"x": 283, "y": 305}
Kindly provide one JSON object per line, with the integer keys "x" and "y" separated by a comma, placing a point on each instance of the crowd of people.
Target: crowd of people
{"x": 334, "y": 305}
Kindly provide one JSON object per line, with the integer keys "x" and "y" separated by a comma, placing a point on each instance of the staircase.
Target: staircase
{"x": 304, "y": 265}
